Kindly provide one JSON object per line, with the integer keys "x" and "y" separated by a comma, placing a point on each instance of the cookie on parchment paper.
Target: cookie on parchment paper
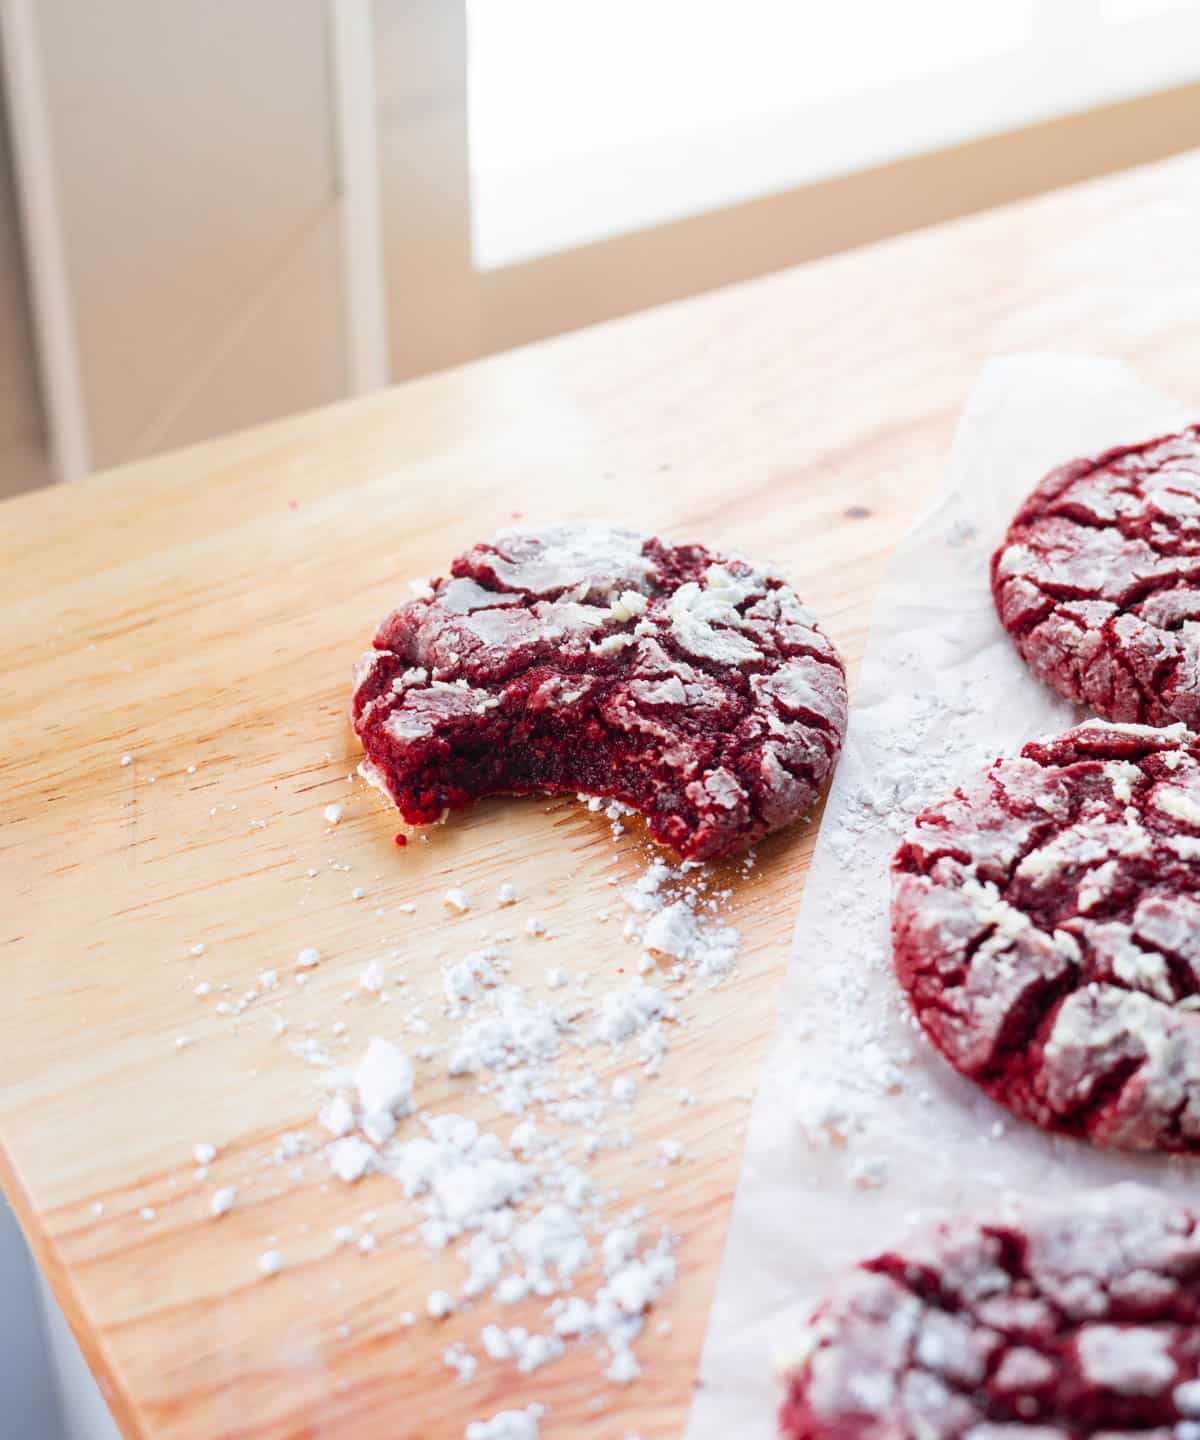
{"x": 1058, "y": 1320}
{"x": 1046, "y": 930}
{"x": 1098, "y": 581}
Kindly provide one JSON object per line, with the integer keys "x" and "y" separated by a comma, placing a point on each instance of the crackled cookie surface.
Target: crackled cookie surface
{"x": 1052, "y": 1322}
{"x": 1046, "y": 927}
{"x": 1098, "y": 581}
{"x": 694, "y": 688}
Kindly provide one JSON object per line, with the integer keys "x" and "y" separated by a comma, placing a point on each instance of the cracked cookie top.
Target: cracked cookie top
{"x": 1042, "y": 1322}
{"x": 1098, "y": 581}
{"x": 1046, "y": 928}
{"x": 693, "y": 687}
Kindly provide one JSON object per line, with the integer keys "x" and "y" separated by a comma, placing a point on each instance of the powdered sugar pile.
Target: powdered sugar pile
{"x": 534, "y": 1074}
{"x": 516, "y": 1203}
{"x": 680, "y": 926}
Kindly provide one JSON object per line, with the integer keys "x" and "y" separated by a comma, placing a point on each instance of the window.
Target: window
{"x": 590, "y": 118}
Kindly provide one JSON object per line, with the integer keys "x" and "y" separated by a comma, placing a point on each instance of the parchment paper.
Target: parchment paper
{"x": 858, "y": 1124}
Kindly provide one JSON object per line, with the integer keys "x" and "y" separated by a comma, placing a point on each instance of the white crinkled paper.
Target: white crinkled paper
{"x": 858, "y": 1123}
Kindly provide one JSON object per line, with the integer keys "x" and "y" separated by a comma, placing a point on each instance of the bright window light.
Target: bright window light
{"x": 591, "y": 118}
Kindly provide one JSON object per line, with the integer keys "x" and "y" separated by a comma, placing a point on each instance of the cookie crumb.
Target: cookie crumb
{"x": 270, "y": 1262}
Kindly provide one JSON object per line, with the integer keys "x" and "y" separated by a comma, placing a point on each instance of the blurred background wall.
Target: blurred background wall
{"x": 214, "y": 214}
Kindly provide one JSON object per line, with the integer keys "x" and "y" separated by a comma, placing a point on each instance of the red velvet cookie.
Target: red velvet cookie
{"x": 1053, "y": 1322}
{"x": 694, "y": 688}
{"x": 1098, "y": 581}
{"x": 1046, "y": 926}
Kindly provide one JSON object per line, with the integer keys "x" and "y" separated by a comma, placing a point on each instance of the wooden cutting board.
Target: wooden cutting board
{"x": 200, "y": 613}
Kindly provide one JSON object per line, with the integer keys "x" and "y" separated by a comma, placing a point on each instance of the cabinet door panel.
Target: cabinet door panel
{"x": 194, "y": 164}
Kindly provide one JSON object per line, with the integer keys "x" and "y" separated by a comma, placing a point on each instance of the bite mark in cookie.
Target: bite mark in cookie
{"x": 695, "y": 688}
{"x": 1052, "y": 1322}
{"x": 1098, "y": 581}
{"x": 1046, "y": 928}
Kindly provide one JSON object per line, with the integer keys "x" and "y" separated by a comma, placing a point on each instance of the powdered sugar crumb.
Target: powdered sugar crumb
{"x": 270, "y": 1262}
{"x": 373, "y": 977}
{"x": 507, "y": 1210}
{"x": 509, "y": 1425}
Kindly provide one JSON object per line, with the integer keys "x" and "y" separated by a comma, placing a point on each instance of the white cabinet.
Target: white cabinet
{"x": 178, "y": 168}
{"x": 233, "y": 211}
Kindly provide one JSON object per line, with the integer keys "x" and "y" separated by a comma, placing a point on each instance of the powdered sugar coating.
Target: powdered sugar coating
{"x": 1046, "y": 926}
{"x": 1066, "y": 1320}
{"x": 1098, "y": 581}
{"x": 694, "y": 688}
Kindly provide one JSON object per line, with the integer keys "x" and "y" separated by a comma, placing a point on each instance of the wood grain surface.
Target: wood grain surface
{"x": 203, "y": 609}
